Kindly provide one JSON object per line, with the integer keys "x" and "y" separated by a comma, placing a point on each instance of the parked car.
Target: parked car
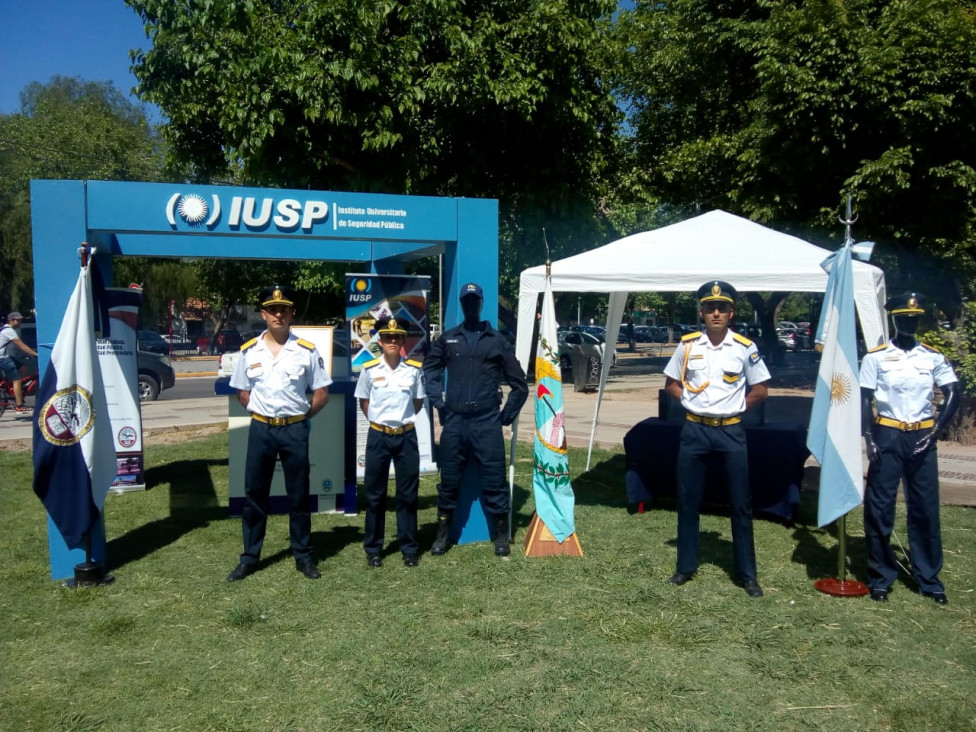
{"x": 226, "y": 340}
{"x": 597, "y": 330}
{"x": 150, "y": 340}
{"x": 569, "y": 339}
{"x": 155, "y": 374}
{"x": 680, "y": 330}
{"x": 787, "y": 338}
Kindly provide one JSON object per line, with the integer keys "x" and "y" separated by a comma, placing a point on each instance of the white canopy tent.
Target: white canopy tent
{"x": 679, "y": 258}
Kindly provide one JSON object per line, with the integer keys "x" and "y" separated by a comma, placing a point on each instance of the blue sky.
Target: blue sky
{"x": 86, "y": 38}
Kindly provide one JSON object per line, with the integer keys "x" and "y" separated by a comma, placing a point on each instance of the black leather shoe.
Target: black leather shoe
{"x": 752, "y": 588}
{"x": 939, "y": 597}
{"x": 679, "y": 578}
{"x": 308, "y": 568}
{"x": 410, "y": 560}
{"x": 241, "y": 571}
{"x": 374, "y": 560}
{"x": 879, "y": 595}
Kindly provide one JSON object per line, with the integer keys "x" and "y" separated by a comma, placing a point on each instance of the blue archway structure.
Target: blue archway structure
{"x": 224, "y": 222}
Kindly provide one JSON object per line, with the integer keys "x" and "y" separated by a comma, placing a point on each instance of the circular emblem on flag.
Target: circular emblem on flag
{"x": 840, "y": 389}
{"x": 67, "y": 416}
{"x": 192, "y": 208}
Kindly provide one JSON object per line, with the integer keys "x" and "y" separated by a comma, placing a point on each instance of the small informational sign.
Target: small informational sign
{"x": 120, "y": 375}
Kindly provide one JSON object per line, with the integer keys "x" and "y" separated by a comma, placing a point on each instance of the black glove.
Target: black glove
{"x": 871, "y": 447}
{"x": 507, "y": 421}
{"x": 440, "y": 415}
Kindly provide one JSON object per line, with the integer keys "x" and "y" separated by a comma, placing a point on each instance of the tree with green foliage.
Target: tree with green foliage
{"x": 437, "y": 97}
{"x": 776, "y": 110}
{"x": 66, "y": 129}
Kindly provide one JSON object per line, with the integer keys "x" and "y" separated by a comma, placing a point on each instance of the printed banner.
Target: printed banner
{"x": 368, "y": 298}
{"x": 118, "y": 361}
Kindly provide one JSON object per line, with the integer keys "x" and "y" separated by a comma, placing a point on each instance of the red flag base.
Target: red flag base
{"x": 841, "y": 588}
{"x": 89, "y": 574}
{"x": 539, "y": 542}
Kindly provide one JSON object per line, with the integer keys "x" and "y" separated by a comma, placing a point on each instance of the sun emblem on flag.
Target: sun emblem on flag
{"x": 840, "y": 389}
{"x": 67, "y": 416}
{"x": 192, "y": 208}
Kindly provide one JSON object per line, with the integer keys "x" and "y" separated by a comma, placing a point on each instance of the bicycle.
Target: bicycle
{"x": 29, "y": 384}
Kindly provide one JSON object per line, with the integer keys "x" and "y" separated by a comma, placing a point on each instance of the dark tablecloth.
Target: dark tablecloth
{"x": 777, "y": 452}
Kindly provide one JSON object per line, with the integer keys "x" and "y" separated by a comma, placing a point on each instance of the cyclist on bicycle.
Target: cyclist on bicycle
{"x": 9, "y": 339}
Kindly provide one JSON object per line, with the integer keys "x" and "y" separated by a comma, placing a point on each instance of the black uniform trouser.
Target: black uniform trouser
{"x": 729, "y": 443}
{"x": 403, "y": 452}
{"x": 264, "y": 445}
{"x": 919, "y": 476}
{"x": 473, "y": 436}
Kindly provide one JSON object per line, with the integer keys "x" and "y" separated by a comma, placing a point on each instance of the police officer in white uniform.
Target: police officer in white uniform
{"x": 275, "y": 371}
{"x": 708, "y": 373}
{"x": 391, "y": 394}
{"x": 898, "y": 377}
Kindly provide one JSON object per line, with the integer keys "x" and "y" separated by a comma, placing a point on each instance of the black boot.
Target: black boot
{"x": 443, "y": 533}
{"x": 501, "y": 535}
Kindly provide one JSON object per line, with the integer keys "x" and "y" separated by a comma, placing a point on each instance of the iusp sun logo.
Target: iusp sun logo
{"x": 359, "y": 290}
{"x": 192, "y": 208}
{"x": 67, "y": 416}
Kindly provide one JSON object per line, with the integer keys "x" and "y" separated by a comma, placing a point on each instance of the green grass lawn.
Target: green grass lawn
{"x": 466, "y": 641}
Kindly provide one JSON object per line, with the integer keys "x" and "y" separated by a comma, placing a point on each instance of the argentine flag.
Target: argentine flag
{"x": 74, "y": 453}
{"x": 834, "y": 435}
{"x": 553, "y": 493}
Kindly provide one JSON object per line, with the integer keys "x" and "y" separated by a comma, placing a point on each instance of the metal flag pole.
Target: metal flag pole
{"x": 840, "y": 586}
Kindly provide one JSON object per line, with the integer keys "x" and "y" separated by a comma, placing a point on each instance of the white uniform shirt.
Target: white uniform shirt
{"x": 391, "y": 391}
{"x": 725, "y": 368}
{"x": 902, "y": 380}
{"x": 278, "y": 385}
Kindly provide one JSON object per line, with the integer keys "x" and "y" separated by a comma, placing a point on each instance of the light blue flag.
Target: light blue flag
{"x": 834, "y": 435}
{"x": 554, "y": 500}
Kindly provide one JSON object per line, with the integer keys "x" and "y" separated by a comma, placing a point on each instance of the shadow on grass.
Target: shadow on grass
{"x": 602, "y": 484}
{"x": 192, "y": 505}
{"x": 816, "y": 549}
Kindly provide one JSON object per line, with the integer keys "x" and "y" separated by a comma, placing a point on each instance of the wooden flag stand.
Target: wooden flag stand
{"x": 539, "y": 542}
{"x": 840, "y": 586}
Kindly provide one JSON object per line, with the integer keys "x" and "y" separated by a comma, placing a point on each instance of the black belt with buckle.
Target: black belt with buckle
{"x": 472, "y": 407}
{"x": 279, "y": 421}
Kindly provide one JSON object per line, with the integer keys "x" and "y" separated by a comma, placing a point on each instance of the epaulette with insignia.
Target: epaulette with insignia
{"x": 691, "y": 336}
{"x": 306, "y": 344}
{"x": 741, "y": 339}
{"x": 930, "y": 348}
{"x": 415, "y": 364}
{"x": 371, "y": 364}
{"x": 249, "y": 344}
{"x": 878, "y": 348}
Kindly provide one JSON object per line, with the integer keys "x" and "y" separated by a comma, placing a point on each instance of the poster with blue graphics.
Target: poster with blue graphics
{"x": 370, "y": 297}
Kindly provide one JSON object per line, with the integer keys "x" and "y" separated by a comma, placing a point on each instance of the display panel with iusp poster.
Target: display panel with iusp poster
{"x": 404, "y": 297}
